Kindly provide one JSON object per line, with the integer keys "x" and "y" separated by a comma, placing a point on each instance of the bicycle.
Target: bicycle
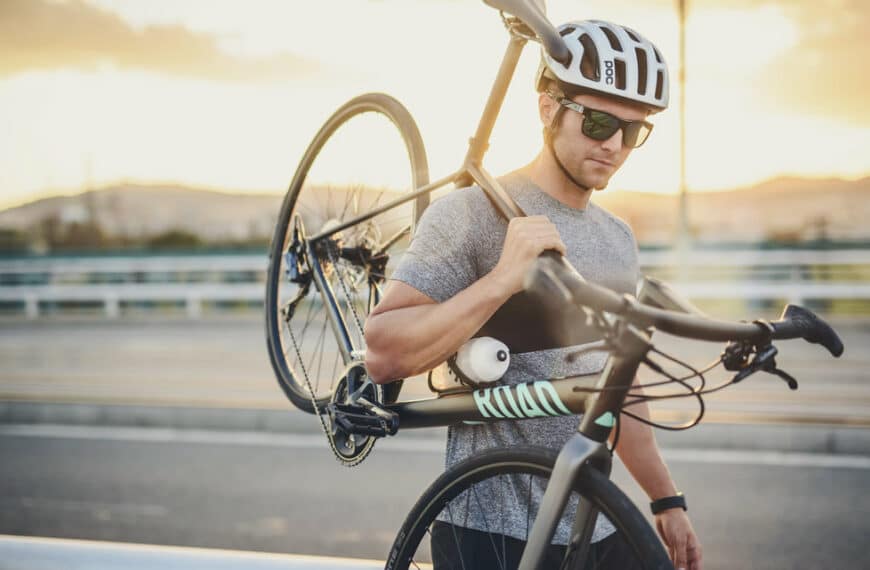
{"x": 343, "y": 245}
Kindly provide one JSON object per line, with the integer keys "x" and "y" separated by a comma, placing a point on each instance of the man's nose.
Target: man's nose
{"x": 614, "y": 143}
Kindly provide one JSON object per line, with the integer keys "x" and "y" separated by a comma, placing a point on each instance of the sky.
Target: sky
{"x": 227, "y": 94}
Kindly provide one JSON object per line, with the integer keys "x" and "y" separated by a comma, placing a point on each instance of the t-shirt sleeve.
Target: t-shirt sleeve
{"x": 440, "y": 261}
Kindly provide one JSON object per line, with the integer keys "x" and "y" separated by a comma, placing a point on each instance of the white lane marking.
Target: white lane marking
{"x": 409, "y": 445}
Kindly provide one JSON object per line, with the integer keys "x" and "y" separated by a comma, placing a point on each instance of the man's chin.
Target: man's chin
{"x": 599, "y": 184}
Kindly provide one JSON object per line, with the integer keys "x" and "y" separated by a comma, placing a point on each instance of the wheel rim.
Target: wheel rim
{"x": 497, "y": 538}
{"x": 307, "y": 346}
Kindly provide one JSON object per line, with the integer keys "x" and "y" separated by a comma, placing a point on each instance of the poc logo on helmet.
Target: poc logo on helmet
{"x": 608, "y": 72}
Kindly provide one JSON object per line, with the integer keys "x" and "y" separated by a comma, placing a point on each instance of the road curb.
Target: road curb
{"x": 798, "y": 438}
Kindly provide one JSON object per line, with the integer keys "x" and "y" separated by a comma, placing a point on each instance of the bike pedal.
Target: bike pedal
{"x": 358, "y": 420}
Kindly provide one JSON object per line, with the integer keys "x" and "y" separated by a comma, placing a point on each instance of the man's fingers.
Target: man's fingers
{"x": 680, "y": 561}
{"x": 661, "y": 529}
{"x": 695, "y": 555}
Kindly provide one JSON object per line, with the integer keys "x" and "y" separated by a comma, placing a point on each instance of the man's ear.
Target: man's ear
{"x": 546, "y": 108}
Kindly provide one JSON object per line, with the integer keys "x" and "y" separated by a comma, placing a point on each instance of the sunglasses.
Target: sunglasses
{"x": 601, "y": 125}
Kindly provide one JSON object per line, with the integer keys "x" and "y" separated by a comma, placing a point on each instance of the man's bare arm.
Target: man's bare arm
{"x": 408, "y": 332}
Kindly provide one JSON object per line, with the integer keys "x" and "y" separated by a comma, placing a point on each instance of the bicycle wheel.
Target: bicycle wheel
{"x": 450, "y": 528}
{"x": 318, "y": 295}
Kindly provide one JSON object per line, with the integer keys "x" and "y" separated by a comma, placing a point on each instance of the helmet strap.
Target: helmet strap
{"x": 548, "y": 138}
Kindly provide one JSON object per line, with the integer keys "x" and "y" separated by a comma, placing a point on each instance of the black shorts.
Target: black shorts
{"x": 484, "y": 550}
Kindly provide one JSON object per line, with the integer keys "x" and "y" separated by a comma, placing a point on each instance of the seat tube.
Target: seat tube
{"x": 479, "y": 143}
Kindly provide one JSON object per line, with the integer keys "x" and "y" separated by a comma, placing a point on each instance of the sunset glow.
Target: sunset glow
{"x": 228, "y": 94}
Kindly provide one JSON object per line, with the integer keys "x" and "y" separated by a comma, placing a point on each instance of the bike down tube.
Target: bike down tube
{"x": 541, "y": 398}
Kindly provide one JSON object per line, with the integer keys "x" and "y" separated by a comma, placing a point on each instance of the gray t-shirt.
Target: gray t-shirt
{"x": 459, "y": 240}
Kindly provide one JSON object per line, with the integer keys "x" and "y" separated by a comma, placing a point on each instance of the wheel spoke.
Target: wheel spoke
{"x": 319, "y": 199}
{"x": 316, "y": 352}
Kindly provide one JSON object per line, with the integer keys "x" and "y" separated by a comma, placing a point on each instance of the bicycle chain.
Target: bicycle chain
{"x": 329, "y": 437}
{"x": 344, "y": 287}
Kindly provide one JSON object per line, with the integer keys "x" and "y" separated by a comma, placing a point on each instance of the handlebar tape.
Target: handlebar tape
{"x": 554, "y": 275}
{"x": 798, "y": 322}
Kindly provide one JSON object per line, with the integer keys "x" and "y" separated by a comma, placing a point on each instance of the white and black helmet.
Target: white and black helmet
{"x": 608, "y": 59}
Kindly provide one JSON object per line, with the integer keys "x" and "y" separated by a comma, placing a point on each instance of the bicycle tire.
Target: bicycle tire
{"x": 290, "y": 376}
{"x": 646, "y": 547}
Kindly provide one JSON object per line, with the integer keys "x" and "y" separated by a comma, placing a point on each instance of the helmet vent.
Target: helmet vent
{"x": 641, "y": 70}
{"x": 589, "y": 66}
{"x": 660, "y": 80}
{"x": 658, "y": 55}
{"x": 620, "y": 73}
{"x": 632, "y": 35}
{"x": 611, "y": 37}
{"x": 567, "y": 31}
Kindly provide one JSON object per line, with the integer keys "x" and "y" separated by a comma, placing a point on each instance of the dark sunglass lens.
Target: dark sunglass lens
{"x": 599, "y": 125}
{"x": 635, "y": 134}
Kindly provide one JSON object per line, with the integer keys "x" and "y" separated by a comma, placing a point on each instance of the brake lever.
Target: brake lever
{"x": 765, "y": 360}
{"x": 788, "y": 378}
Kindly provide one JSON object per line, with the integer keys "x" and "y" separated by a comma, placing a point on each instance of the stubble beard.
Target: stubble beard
{"x": 580, "y": 172}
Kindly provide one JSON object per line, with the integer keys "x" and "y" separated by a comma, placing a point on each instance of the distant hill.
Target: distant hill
{"x": 787, "y": 209}
{"x": 790, "y": 209}
{"x": 139, "y": 210}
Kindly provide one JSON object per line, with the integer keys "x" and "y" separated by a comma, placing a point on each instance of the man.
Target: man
{"x": 465, "y": 262}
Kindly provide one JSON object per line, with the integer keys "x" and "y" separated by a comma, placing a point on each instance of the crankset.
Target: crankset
{"x": 357, "y": 416}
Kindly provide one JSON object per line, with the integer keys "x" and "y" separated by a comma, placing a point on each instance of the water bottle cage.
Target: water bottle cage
{"x": 463, "y": 379}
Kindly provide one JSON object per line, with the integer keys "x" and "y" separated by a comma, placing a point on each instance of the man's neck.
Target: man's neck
{"x": 547, "y": 175}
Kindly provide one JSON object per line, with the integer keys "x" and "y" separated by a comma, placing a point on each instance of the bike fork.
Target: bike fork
{"x": 571, "y": 459}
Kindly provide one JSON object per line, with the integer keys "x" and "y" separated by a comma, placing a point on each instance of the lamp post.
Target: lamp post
{"x": 684, "y": 237}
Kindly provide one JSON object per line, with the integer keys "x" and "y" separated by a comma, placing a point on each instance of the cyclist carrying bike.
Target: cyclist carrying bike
{"x": 464, "y": 272}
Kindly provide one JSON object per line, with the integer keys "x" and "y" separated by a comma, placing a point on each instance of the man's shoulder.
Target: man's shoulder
{"x": 615, "y": 221}
{"x": 463, "y": 205}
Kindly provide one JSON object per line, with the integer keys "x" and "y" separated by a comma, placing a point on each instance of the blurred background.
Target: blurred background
{"x": 144, "y": 151}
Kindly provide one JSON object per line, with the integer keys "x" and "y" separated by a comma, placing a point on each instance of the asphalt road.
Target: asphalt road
{"x": 222, "y": 362}
{"x": 285, "y": 493}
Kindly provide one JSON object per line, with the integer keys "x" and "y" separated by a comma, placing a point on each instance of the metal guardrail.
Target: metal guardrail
{"x": 794, "y": 275}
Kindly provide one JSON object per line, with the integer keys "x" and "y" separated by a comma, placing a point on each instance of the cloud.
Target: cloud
{"x": 44, "y": 34}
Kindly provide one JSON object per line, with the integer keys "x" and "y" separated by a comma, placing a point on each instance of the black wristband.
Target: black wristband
{"x": 677, "y": 501}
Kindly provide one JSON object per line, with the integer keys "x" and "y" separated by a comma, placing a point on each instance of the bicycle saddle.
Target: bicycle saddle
{"x": 533, "y": 14}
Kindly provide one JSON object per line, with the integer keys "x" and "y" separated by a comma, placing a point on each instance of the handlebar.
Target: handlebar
{"x": 531, "y": 12}
{"x": 553, "y": 274}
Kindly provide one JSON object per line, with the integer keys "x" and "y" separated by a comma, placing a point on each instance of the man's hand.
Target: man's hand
{"x": 679, "y": 536}
{"x": 527, "y": 237}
